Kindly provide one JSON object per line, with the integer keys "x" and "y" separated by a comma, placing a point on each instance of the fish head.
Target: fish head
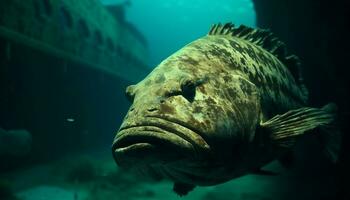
{"x": 182, "y": 122}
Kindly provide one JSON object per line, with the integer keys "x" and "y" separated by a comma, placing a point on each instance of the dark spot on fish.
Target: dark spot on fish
{"x": 189, "y": 60}
{"x": 148, "y": 82}
{"x": 261, "y": 68}
{"x": 243, "y": 61}
{"x": 164, "y": 108}
{"x": 220, "y": 52}
{"x": 210, "y": 101}
{"x": 232, "y": 93}
{"x": 245, "y": 69}
{"x": 259, "y": 79}
{"x": 256, "y": 68}
{"x": 246, "y": 87}
{"x": 214, "y": 52}
{"x": 236, "y": 46}
{"x": 206, "y": 55}
{"x": 251, "y": 76}
{"x": 227, "y": 78}
{"x": 197, "y": 109}
{"x": 160, "y": 79}
{"x": 233, "y": 64}
{"x": 251, "y": 51}
{"x": 207, "y": 122}
{"x": 202, "y": 89}
{"x": 226, "y": 53}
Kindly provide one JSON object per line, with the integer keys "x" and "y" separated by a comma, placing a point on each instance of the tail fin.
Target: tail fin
{"x": 330, "y": 134}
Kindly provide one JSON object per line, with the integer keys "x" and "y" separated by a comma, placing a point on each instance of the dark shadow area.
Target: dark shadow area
{"x": 64, "y": 105}
{"x": 316, "y": 31}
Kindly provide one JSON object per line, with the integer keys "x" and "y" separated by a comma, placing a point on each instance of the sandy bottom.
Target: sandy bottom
{"x": 96, "y": 177}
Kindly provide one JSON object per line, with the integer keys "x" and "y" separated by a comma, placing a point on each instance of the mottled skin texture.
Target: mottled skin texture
{"x": 236, "y": 85}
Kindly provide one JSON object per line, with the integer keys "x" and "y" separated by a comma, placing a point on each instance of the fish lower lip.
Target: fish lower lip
{"x": 150, "y": 144}
{"x": 134, "y": 147}
{"x": 137, "y": 154}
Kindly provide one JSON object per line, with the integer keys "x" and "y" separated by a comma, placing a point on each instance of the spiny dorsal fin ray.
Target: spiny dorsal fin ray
{"x": 268, "y": 41}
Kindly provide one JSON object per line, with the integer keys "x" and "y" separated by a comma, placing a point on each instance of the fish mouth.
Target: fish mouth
{"x": 155, "y": 140}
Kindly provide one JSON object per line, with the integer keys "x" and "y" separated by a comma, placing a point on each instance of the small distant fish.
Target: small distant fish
{"x": 70, "y": 120}
{"x": 221, "y": 107}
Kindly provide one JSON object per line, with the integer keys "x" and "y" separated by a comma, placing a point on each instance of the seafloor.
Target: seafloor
{"x": 95, "y": 176}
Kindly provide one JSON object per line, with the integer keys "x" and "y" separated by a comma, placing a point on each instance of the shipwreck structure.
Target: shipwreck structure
{"x": 63, "y": 68}
{"x": 83, "y": 32}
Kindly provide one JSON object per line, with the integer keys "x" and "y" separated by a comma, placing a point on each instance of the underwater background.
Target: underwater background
{"x": 64, "y": 67}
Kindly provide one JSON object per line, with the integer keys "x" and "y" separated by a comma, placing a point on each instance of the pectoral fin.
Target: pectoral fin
{"x": 283, "y": 129}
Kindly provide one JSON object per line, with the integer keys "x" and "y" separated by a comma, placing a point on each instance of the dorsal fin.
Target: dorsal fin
{"x": 268, "y": 41}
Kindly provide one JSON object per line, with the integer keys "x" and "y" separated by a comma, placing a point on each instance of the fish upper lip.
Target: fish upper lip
{"x": 176, "y": 127}
{"x": 155, "y": 136}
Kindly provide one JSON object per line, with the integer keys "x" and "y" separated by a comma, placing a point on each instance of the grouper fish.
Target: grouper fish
{"x": 221, "y": 107}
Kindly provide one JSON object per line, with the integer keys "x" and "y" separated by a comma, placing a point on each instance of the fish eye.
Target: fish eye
{"x": 188, "y": 90}
{"x": 130, "y": 93}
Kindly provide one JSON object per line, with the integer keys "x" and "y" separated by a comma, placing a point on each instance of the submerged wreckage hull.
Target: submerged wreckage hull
{"x": 61, "y": 63}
